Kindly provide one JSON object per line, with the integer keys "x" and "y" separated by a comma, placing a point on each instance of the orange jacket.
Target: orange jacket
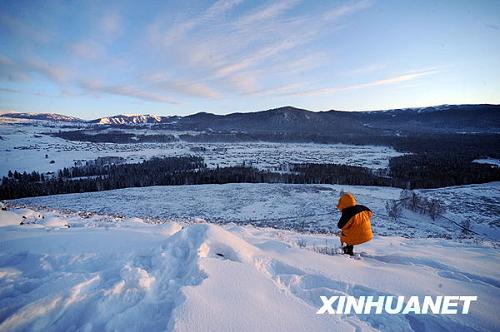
{"x": 355, "y": 222}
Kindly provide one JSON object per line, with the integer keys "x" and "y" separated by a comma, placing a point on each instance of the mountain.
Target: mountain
{"x": 445, "y": 118}
{"x": 42, "y": 117}
{"x": 283, "y": 119}
{"x": 292, "y": 121}
{"x": 124, "y": 119}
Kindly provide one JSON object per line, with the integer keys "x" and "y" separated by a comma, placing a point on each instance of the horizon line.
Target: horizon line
{"x": 3, "y": 112}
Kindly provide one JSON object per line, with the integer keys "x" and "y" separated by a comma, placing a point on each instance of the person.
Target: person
{"x": 354, "y": 223}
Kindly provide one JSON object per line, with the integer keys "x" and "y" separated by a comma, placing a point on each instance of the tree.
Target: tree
{"x": 394, "y": 209}
{"x": 435, "y": 208}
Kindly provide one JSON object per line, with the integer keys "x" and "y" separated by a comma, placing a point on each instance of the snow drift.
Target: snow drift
{"x": 106, "y": 274}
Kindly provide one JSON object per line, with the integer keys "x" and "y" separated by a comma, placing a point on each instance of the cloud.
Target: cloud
{"x": 256, "y": 57}
{"x": 366, "y": 69}
{"x": 124, "y": 90}
{"x": 218, "y": 50}
{"x": 87, "y": 50}
{"x": 387, "y": 81}
{"x": 492, "y": 26}
{"x": 268, "y": 12}
{"x": 403, "y": 78}
{"x": 54, "y": 72}
{"x": 189, "y": 88}
{"x": 111, "y": 25}
{"x": 300, "y": 64}
{"x": 9, "y": 71}
{"x": 221, "y": 43}
{"x": 194, "y": 88}
{"x": 25, "y": 30}
{"x": 347, "y": 9}
{"x": 38, "y": 94}
{"x": 261, "y": 40}
{"x": 245, "y": 83}
{"x": 21, "y": 71}
{"x": 178, "y": 31}
{"x": 279, "y": 90}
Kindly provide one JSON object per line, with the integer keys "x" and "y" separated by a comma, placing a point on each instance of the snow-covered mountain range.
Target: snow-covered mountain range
{"x": 128, "y": 119}
{"x": 296, "y": 121}
{"x": 41, "y": 117}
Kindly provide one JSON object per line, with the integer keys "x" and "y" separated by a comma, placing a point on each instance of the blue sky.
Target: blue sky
{"x": 97, "y": 58}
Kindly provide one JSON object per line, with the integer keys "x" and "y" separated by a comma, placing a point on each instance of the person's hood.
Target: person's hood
{"x": 347, "y": 200}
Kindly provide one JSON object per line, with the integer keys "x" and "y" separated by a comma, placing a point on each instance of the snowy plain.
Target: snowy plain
{"x": 23, "y": 148}
{"x": 234, "y": 257}
{"x": 288, "y": 206}
{"x": 63, "y": 271}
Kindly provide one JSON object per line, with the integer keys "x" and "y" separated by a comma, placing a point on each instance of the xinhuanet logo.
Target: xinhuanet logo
{"x": 392, "y": 305}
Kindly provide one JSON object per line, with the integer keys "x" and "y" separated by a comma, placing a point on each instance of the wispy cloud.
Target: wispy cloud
{"x": 254, "y": 58}
{"x": 51, "y": 71}
{"x": 244, "y": 83}
{"x": 97, "y": 87}
{"x": 410, "y": 76}
{"x": 347, "y": 9}
{"x": 189, "y": 88}
{"x": 111, "y": 24}
{"x": 87, "y": 49}
{"x": 178, "y": 31}
{"x": 23, "y": 29}
{"x": 31, "y": 93}
{"x": 12, "y": 72}
{"x": 23, "y": 70}
{"x": 267, "y": 12}
{"x": 301, "y": 64}
{"x": 281, "y": 90}
{"x": 261, "y": 40}
{"x": 368, "y": 69}
{"x": 194, "y": 88}
{"x": 263, "y": 50}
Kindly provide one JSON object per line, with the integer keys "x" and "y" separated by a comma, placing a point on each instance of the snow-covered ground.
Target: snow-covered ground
{"x": 286, "y": 206}
{"x": 23, "y": 148}
{"x": 488, "y": 161}
{"x": 231, "y": 257}
{"x": 106, "y": 273}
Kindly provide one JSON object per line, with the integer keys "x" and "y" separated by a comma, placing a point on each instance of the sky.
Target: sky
{"x": 99, "y": 58}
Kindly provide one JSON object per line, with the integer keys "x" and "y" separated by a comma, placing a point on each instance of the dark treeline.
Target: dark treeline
{"x": 415, "y": 171}
{"x": 433, "y": 164}
{"x": 188, "y": 170}
{"x": 113, "y": 137}
{"x": 463, "y": 146}
{"x": 445, "y": 160}
{"x": 466, "y": 145}
{"x": 434, "y": 170}
{"x": 156, "y": 171}
{"x": 191, "y": 170}
{"x": 339, "y": 174}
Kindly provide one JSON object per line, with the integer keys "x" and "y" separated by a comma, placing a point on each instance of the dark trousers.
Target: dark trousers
{"x": 348, "y": 249}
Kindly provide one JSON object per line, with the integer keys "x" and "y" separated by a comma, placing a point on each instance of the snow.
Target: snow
{"x": 287, "y": 206}
{"x": 488, "y": 161}
{"x": 24, "y": 147}
{"x": 107, "y": 273}
{"x": 9, "y": 219}
{"x": 231, "y": 257}
{"x": 130, "y": 119}
{"x": 39, "y": 117}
